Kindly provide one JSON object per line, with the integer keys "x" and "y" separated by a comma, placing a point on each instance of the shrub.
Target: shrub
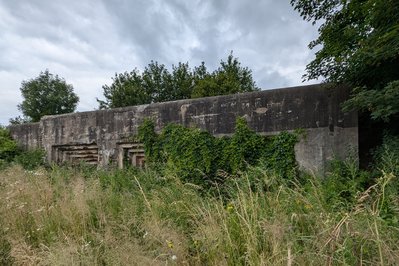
{"x": 31, "y": 159}
{"x": 196, "y": 156}
{"x": 386, "y": 159}
{"x": 279, "y": 154}
{"x": 386, "y": 156}
{"x": 343, "y": 181}
{"x": 8, "y": 147}
{"x": 244, "y": 148}
{"x": 193, "y": 154}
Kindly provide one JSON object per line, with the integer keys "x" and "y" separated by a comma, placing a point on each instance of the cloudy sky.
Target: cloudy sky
{"x": 86, "y": 42}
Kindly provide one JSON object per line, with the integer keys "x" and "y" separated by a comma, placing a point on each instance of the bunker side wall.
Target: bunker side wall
{"x": 314, "y": 108}
{"x": 28, "y": 136}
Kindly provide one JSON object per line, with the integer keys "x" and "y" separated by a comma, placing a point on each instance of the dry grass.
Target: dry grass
{"x": 67, "y": 217}
{"x": 66, "y": 220}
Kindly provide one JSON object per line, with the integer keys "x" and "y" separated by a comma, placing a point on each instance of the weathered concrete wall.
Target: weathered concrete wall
{"x": 29, "y": 136}
{"x": 102, "y": 137}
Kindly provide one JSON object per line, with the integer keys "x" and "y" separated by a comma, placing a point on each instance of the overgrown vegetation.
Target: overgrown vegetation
{"x": 8, "y": 147}
{"x": 258, "y": 212}
{"x": 30, "y": 159}
{"x": 123, "y": 217}
{"x": 198, "y": 157}
{"x": 10, "y": 152}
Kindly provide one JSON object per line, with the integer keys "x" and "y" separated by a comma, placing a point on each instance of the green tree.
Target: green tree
{"x": 18, "y": 120}
{"x": 229, "y": 78}
{"x": 126, "y": 89}
{"x": 155, "y": 84}
{"x": 158, "y": 84}
{"x": 358, "y": 44}
{"x": 183, "y": 81}
{"x": 47, "y": 95}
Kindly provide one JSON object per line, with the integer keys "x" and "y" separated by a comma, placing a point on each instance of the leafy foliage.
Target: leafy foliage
{"x": 10, "y": 152}
{"x": 8, "y": 147}
{"x": 343, "y": 182}
{"x": 244, "y": 148}
{"x": 386, "y": 156}
{"x": 126, "y": 88}
{"x": 229, "y": 78}
{"x": 47, "y": 95}
{"x": 18, "y": 120}
{"x": 196, "y": 156}
{"x": 31, "y": 159}
{"x": 382, "y": 104}
{"x": 157, "y": 84}
{"x": 279, "y": 154}
{"x": 359, "y": 42}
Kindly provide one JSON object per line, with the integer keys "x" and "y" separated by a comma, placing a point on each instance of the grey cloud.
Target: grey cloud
{"x": 86, "y": 42}
{"x": 260, "y": 31}
{"x": 268, "y": 76}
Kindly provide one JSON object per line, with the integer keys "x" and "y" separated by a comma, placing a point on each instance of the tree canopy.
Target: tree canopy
{"x": 157, "y": 84}
{"x": 229, "y": 78}
{"x": 46, "y": 95}
{"x": 358, "y": 44}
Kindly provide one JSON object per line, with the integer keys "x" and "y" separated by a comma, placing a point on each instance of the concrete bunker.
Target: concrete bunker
{"x": 130, "y": 154}
{"x": 102, "y": 137}
{"x": 75, "y": 153}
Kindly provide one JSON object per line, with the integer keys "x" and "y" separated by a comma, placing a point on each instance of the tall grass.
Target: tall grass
{"x": 62, "y": 216}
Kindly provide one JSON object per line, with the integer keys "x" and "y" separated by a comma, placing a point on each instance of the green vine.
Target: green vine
{"x": 196, "y": 155}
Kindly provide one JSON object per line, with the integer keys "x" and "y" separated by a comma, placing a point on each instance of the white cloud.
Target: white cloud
{"x": 86, "y": 42}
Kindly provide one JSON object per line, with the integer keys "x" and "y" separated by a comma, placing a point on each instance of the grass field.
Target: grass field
{"x": 64, "y": 216}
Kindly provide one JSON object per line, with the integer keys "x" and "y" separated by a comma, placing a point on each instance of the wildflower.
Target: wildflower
{"x": 169, "y": 243}
{"x": 174, "y": 257}
{"x": 230, "y": 208}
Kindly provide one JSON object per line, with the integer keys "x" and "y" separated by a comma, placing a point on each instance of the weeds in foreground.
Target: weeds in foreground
{"x": 64, "y": 216}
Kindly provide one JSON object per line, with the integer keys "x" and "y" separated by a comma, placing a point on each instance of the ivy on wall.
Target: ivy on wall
{"x": 196, "y": 155}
